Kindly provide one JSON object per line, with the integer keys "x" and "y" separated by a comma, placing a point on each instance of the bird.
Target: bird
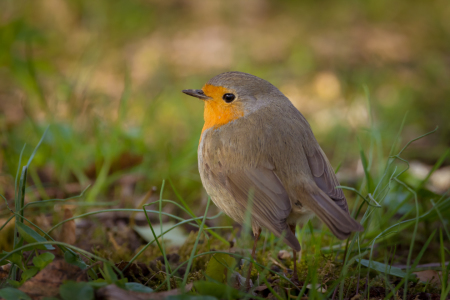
{"x": 257, "y": 152}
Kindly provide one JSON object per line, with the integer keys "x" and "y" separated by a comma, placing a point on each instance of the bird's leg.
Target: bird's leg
{"x": 253, "y": 257}
{"x": 295, "y": 275}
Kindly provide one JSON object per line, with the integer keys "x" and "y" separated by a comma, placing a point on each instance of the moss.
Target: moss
{"x": 204, "y": 245}
{"x": 195, "y": 276}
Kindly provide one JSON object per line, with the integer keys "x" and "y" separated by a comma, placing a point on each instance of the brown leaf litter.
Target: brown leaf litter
{"x": 46, "y": 283}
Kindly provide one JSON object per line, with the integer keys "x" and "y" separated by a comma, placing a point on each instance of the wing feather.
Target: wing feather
{"x": 324, "y": 176}
{"x": 270, "y": 204}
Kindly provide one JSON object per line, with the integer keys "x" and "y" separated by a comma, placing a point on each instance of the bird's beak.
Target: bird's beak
{"x": 196, "y": 93}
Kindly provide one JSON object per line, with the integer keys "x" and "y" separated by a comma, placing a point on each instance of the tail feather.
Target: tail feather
{"x": 291, "y": 240}
{"x": 339, "y": 221}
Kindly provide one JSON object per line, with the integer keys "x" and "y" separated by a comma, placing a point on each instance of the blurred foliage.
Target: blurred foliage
{"x": 107, "y": 76}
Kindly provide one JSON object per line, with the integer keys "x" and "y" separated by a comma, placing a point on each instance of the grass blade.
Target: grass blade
{"x": 191, "y": 258}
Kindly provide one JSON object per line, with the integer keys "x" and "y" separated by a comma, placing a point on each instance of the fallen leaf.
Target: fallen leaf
{"x": 284, "y": 254}
{"x": 237, "y": 280}
{"x": 68, "y": 230}
{"x": 4, "y": 271}
{"x": 176, "y": 237}
{"x": 356, "y": 297}
{"x": 430, "y": 276}
{"x": 46, "y": 283}
{"x": 261, "y": 288}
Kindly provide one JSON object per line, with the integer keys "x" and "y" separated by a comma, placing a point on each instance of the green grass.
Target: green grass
{"x": 341, "y": 267}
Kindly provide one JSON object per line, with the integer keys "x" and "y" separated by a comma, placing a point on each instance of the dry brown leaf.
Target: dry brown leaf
{"x": 46, "y": 283}
{"x": 4, "y": 271}
{"x": 261, "y": 288}
{"x": 112, "y": 292}
{"x": 237, "y": 280}
{"x": 284, "y": 254}
{"x": 356, "y": 297}
{"x": 68, "y": 230}
{"x": 431, "y": 276}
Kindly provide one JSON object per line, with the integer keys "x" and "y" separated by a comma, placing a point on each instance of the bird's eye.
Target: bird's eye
{"x": 228, "y": 97}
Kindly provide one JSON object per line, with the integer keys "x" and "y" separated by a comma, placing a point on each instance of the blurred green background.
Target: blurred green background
{"x": 107, "y": 76}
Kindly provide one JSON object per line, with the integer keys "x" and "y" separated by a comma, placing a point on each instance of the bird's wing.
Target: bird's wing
{"x": 327, "y": 201}
{"x": 261, "y": 190}
{"x": 324, "y": 177}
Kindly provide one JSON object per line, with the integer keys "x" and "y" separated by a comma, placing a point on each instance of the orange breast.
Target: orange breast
{"x": 217, "y": 112}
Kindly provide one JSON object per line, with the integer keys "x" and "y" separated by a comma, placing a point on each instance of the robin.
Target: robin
{"x": 257, "y": 150}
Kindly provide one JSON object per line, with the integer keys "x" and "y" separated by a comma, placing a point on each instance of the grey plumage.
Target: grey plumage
{"x": 272, "y": 152}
